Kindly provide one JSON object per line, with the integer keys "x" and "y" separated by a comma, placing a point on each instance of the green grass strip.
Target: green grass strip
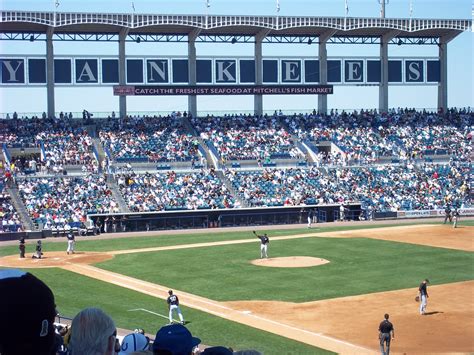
{"x": 91, "y": 244}
{"x": 357, "y": 266}
{"x": 74, "y": 292}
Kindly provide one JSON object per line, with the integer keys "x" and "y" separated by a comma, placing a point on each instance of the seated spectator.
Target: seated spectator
{"x": 174, "y": 339}
{"x": 93, "y": 332}
{"x": 27, "y": 313}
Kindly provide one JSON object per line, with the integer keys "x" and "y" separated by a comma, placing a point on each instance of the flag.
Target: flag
{"x": 347, "y": 7}
{"x": 133, "y": 6}
{"x": 411, "y": 8}
{"x": 278, "y": 5}
{"x": 208, "y": 3}
{"x": 56, "y": 3}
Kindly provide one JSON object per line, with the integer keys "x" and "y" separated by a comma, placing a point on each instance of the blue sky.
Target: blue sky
{"x": 460, "y": 57}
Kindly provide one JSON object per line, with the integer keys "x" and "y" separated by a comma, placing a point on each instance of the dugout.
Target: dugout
{"x": 209, "y": 218}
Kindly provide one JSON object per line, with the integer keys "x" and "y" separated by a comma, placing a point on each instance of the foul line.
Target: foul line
{"x": 146, "y": 310}
{"x": 230, "y": 313}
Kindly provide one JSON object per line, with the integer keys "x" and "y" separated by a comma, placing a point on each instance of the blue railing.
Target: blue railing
{"x": 96, "y": 153}
{"x": 107, "y": 152}
{"x": 311, "y": 146}
{"x": 6, "y": 154}
{"x": 213, "y": 150}
{"x": 43, "y": 150}
{"x": 301, "y": 147}
{"x": 201, "y": 150}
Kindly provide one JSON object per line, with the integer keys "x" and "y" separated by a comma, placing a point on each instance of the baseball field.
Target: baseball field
{"x": 322, "y": 290}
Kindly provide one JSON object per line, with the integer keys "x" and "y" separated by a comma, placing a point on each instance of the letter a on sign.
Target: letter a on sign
{"x": 86, "y": 71}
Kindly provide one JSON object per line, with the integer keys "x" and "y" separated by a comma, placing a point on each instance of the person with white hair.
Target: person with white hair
{"x": 93, "y": 332}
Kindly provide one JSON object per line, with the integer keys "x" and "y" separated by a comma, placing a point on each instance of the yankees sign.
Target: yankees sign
{"x": 31, "y": 70}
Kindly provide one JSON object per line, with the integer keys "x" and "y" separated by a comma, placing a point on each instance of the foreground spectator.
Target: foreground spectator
{"x": 93, "y": 332}
{"x": 27, "y": 313}
{"x": 174, "y": 339}
{"x": 134, "y": 342}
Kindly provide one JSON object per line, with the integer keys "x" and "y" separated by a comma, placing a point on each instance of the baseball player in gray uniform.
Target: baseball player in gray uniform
{"x": 264, "y": 241}
{"x": 173, "y": 305}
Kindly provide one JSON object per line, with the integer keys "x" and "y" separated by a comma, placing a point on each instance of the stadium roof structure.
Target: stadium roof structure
{"x": 225, "y": 28}
{"x": 128, "y": 27}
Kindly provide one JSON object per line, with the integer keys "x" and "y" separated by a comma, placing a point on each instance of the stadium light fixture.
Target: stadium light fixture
{"x": 32, "y": 38}
{"x": 310, "y": 41}
{"x": 420, "y": 41}
{"x": 138, "y": 40}
{"x": 382, "y": 7}
{"x": 400, "y": 42}
{"x": 234, "y": 40}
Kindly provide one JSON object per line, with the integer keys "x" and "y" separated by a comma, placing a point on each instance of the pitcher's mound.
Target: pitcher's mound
{"x": 290, "y": 261}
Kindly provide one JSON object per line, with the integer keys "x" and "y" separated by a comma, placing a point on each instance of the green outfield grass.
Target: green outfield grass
{"x": 357, "y": 266}
{"x": 91, "y": 244}
{"x": 74, "y": 292}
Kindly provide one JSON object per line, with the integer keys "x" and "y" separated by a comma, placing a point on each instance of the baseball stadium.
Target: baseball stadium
{"x": 233, "y": 223}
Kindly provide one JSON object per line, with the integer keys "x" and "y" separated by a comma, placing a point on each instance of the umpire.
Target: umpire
{"x": 385, "y": 328}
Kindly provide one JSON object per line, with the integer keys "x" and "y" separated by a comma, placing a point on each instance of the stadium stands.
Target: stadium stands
{"x": 175, "y": 191}
{"x": 54, "y": 202}
{"x": 10, "y": 220}
{"x": 400, "y": 133}
{"x": 68, "y": 147}
{"x": 402, "y": 160}
{"x": 144, "y": 139}
{"x": 247, "y": 137}
{"x": 384, "y": 188}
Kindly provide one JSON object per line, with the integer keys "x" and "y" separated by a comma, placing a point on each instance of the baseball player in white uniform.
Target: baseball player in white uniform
{"x": 456, "y": 216}
{"x": 264, "y": 241}
{"x": 71, "y": 243}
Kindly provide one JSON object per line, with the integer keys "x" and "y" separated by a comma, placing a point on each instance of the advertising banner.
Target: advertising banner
{"x": 126, "y": 90}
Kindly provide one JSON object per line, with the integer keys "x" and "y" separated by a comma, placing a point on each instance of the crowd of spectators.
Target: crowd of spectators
{"x": 66, "y": 147}
{"x": 154, "y": 139}
{"x": 360, "y": 136}
{"x": 55, "y": 202}
{"x": 246, "y": 137}
{"x": 156, "y": 192}
{"x": 276, "y": 187}
{"x": 22, "y": 132}
{"x": 10, "y": 220}
{"x": 61, "y": 142}
{"x": 400, "y": 133}
{"x": 383, "y": 188}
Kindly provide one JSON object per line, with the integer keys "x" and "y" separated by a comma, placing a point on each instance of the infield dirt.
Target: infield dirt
{"x": 344, "y": 325}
